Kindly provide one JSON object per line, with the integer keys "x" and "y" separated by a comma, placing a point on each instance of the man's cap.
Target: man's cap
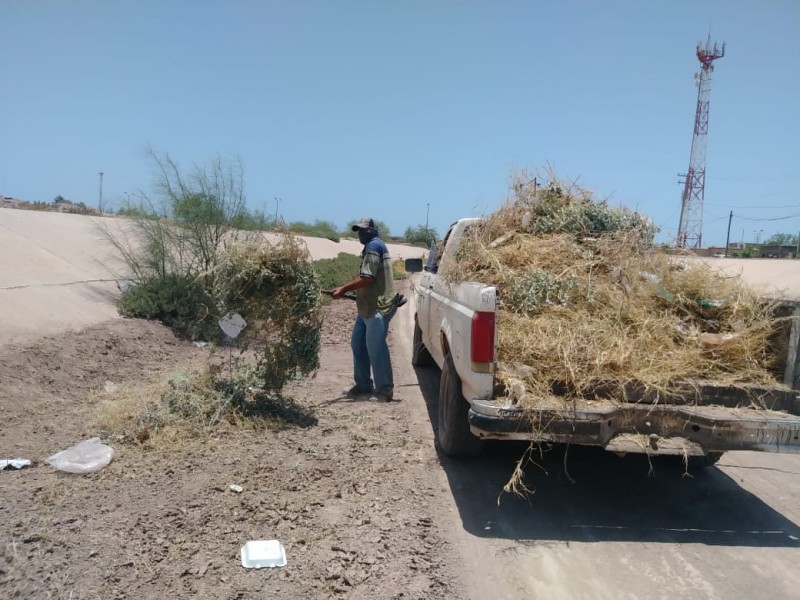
{"x": 364, "y": 223}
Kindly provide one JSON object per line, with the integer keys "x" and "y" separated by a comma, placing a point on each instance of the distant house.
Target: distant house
{"x": 778, "y": 251}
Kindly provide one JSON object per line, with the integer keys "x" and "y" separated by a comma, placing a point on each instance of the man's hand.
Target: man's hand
{"x": 356, "y": 284}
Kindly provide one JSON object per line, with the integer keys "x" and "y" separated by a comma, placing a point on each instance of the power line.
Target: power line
{"x": 772, "y": 219}
{"x": 761, "y": 176}
{"x": 729, "y": 205}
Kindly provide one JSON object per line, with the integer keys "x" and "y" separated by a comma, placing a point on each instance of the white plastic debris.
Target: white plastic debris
{"x": 236, "y": 488}
{"x": 89, "y": 456}
{"x": 712, "y": 340}
{"x": 200, "y": 344}
{"x": 14, "y": 463}
{"x": 257, "y": 554}
{"x": 126, "y": 285}
{"x": 232, "y": 324}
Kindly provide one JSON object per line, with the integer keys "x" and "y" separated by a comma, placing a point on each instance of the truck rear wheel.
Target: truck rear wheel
{"x": 701, "y": 462}
{"x": 420, "y": 357}
{"x": 455, "y": 438}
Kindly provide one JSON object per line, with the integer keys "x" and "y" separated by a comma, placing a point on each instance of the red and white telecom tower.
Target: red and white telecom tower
{"x": 691, "y": 224}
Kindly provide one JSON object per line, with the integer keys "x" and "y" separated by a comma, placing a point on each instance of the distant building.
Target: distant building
{"x": 778, "y": 251}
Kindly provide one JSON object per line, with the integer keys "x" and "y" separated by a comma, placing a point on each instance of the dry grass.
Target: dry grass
{"x": 121, "y": 414}
{"x": 585, "y": 299}
{"x": 181, "y": 406}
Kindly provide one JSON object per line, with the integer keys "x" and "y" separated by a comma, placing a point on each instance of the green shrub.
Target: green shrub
{"x": 555, "y": 212}
{"x": 320, "y": 229}
{"x": 421, "y": 236}
{"x": 538, "y": 289}
{"x": 334, "y": 272}
{"x": 253, "y": 221}
{"x": 398, "y": 270}
{"x": 180, "y": 302}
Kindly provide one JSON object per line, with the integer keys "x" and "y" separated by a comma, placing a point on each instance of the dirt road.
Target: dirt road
{"x": 598, "y": 526}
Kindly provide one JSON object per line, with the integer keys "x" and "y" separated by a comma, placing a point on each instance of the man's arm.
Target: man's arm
{"x": 353, "y": 285}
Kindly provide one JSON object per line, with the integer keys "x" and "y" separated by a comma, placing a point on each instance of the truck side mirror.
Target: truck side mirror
{"x": 413, "y": 265}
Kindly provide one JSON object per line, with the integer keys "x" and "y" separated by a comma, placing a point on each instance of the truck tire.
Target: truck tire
{"x": 702, "y": 462}
{"x": 420, "y": 357}
{"x": 455, "y": 438}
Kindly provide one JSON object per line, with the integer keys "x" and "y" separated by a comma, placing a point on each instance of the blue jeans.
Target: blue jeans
{"x": 371, "y": 353}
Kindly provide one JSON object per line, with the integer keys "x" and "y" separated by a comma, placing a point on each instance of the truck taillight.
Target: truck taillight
{"x": 483, "y": 337}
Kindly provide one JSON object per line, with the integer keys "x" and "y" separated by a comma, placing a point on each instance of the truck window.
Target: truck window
{"x": 437, "y": 250}
{"x": 430, "y": 266}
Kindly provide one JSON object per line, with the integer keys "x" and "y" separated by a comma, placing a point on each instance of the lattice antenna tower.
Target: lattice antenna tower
{"x": 694, "y": 186}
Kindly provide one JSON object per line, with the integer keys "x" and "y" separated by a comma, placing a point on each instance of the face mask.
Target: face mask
{"x": 364, "y": 236}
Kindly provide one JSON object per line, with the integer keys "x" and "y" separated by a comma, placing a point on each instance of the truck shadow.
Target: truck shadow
{"x": 595, "y": 496}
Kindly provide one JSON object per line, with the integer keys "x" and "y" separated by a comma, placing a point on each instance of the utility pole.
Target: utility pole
{"x": 277, "y": 204}
{"x": 691, "y": 222}
{"x": 728, "y": 240}
{"x": 100, "y": 201}
{"x": 427, "y": 212}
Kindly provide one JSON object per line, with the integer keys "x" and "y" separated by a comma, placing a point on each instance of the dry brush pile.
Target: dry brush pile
{"x": 586, "y": 303}
{"x": 275, "y": 289}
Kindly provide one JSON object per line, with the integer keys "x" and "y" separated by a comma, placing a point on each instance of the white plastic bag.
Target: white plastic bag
{"x": 89, "y": 456}
{"x": 232, "y": 325}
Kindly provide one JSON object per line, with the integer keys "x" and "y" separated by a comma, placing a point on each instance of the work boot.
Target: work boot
{"x": 355, "y": 392}
{"x": 380, "y": 397}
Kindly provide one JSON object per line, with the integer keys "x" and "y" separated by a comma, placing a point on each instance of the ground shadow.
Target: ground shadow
{"x": 278, "y": 410}
{"x": 594, "y": 496}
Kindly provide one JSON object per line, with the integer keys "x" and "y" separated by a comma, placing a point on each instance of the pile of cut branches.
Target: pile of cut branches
{"x": 586, "y": 302}
{"x": 276, "y": 291}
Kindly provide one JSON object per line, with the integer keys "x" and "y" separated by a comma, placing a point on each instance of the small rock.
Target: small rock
{"x": 236, "y": 488}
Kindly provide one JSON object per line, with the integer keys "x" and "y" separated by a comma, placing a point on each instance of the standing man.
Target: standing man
{"x": 375, "y": 300}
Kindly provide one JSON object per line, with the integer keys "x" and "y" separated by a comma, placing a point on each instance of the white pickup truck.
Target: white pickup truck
{"x": 455, "y": 327}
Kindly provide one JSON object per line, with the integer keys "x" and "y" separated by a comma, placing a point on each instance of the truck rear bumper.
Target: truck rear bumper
{"x": 642, "y": 428}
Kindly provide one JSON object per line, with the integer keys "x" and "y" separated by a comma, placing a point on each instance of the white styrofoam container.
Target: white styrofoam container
{"x": 257, "y": 554}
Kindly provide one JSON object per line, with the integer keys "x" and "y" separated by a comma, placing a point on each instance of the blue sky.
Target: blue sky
{"x": 345, "y": 108}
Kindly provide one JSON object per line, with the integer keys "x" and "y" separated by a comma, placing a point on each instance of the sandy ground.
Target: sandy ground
{"x": 351, "y": 492}
{"x": 777, "y": 278}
